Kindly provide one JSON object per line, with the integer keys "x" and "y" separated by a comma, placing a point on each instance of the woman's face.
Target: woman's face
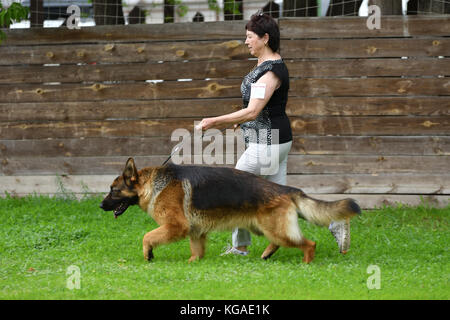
{"x": 254, "y": 43}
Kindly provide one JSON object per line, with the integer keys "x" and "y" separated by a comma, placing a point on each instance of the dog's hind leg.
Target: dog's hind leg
{"x": 270, "y": 250}
{"x": 284, "y": 231}
{"x": 165, "y": 234}
{"x": 197, "y": 247}
{"x": 309, "y": 248}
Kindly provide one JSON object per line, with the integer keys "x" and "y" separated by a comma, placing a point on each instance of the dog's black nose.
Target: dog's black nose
{"x": 101, "y": 205}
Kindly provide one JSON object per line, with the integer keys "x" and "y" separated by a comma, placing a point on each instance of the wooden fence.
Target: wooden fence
{"x": 370, "y": 109}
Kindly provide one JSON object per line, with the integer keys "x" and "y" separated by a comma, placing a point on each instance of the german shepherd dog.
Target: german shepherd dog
{"x": 193, "y": 200}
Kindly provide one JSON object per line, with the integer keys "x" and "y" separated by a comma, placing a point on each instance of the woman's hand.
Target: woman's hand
{"x": 206, "y": 124}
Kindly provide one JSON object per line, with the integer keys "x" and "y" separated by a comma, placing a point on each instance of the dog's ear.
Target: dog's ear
{"x": 130, "y": 174}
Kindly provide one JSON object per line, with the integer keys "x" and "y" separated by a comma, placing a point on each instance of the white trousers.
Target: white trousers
{"x": 267, "y": 161}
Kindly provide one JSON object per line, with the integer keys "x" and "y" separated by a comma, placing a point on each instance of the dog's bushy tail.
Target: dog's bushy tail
{"x": 323, "y": 212}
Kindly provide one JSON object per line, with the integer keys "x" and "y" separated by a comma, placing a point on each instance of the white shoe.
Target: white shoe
{"x": 233, "y": 250}
{"x": 341, "y": 232}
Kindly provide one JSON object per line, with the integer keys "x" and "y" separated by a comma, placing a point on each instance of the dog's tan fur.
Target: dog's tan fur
{"x": 170, "y": 202}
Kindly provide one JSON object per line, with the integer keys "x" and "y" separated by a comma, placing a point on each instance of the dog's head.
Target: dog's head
{"x": 123, "y": 191}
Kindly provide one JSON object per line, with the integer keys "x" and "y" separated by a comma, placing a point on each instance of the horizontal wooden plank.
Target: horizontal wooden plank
{"x": 87, "y": 147}
{"x": 372, "y": 184}
{"x": 111, "y": 91}
{"x": 297, "y": 164}
{"x": 368, "y": 126}
{"x": 116, "y": 128}
{"x": 381, "y": 145}
{"x": 356, "y": 27}
{"x": 199, "y": 108}
{"x": 343, "y": 185}
{"x": 143, "y": 52}
{"x": 127, "y": 72}
{"x": 373, "y": 164}
{"x": 305, "y": 145}
{"x": 367, "y": 106}
{"x": 223, "y": 70}
{"x": 116, "y": 52}
{"x": 220, "y": 89}
{"x": 417, "y": 67}
{"x": 323, "y": 27}
{"x": 370, "y": 201}
{"x": 117, "y": 109}
{"x": 224, "y": 30}
{"x": 364, "y": 48}
{"x": 51, "y": 184}
{"x": 72, "y": 165}
{"x": 369, "y": 87}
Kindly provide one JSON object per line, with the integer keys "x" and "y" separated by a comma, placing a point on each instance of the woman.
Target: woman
{"x": 266, "y": 127}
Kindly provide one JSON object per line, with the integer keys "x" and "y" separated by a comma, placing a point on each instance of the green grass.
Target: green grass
{"x": 41, "y": 237}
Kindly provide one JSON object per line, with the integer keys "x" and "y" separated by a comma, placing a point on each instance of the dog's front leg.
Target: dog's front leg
{"x": 270, "y": 250}
{"x": 197, "y": 247}
{"x": 164, "y": 234}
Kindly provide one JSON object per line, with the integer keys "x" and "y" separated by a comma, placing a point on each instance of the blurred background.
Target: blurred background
{"x": 52, "y": 13}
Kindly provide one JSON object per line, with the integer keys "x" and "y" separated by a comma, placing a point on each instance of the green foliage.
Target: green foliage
{"x": 40, "y": 237}
{"x": 213, "y": 5}
{"x": 15, "y": 13}
{"x": 231, "y": 7}
{"x": 181, "y": 8}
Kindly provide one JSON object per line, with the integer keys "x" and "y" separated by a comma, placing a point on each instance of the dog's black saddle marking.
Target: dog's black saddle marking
{"x": 221, "y": 187}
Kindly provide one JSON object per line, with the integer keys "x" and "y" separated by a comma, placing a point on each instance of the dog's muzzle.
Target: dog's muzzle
{"x": 117, "y": 207}
{"x": 120, "y": 209}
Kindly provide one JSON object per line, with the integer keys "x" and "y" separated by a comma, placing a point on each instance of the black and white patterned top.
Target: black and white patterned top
{"x": 273, "y": 116}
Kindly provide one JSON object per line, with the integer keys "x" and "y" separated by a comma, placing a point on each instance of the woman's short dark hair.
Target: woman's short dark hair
{"x": 262, "y": 24}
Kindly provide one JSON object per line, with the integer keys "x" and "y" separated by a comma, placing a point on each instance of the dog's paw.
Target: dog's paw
{"x": 193, "y": 259}
{"x": 149, "y": 256}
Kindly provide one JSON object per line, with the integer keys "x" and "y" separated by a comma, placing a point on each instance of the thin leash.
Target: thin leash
{"x": 179, "y": 145}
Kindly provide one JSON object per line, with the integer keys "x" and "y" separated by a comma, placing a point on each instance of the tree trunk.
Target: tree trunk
{"x": 388, "y": 7}
{"x": 412, "y": 7}
{"x": 344, "y": 8}
{"x": 107, "y": 12}
{"x": 169, "y": 11}
{"x": 428, "y": 7}
{"x": 137, "y": 16}
{"x": 272, "y": 9}
{"x": 37, "y": 13}
{"x": 300, "y": 8}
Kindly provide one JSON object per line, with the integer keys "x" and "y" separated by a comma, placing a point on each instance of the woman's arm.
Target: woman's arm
{"x": 255, "y": 106}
